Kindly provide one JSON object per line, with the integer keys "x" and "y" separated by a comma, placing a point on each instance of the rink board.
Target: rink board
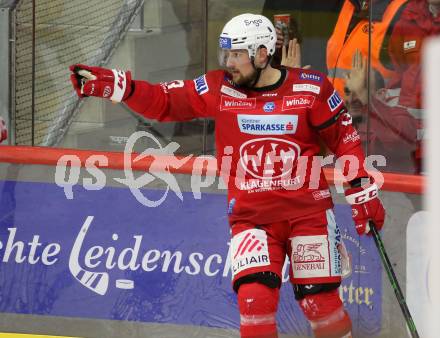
{"x": 152, "y": 265}
{"x": 18, "y": 335}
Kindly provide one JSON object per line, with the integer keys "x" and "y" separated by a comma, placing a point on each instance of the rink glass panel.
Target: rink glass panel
{"x": 167, "y": 40}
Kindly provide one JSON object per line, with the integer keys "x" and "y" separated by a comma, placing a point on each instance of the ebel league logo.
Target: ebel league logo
{"x": 269, "y": 107}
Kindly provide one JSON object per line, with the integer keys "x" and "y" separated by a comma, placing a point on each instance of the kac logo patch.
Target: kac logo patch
{"x": 346, "y": 119}
{"x": 269, "y": 157}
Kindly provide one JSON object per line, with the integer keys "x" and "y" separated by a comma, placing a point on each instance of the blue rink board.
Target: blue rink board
{"x": 171, "y": 260}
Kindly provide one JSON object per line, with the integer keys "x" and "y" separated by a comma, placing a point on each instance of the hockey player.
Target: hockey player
{"x": 269, "y": 123}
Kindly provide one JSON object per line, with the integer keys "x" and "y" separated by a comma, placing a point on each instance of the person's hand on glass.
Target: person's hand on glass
{"x": 356, "y": 79}
{"x": 291, "y": 56}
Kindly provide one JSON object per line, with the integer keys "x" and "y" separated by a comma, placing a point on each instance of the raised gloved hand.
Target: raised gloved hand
{"x": 365, "y": 206}
{"x": 112, "y": 84}
{"x": 3, "y": 130}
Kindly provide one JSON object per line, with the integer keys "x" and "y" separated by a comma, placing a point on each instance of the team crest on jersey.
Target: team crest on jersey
{"x": 346, "y": 119}
{"x": 269, "y": 157}
{"x": 298, "y": 101}
{"x": 235, "y": 103}
{"x": 334, "y": 101}
{"x": 267, "y": 124}
{"x": 232, "y": 92}
{"x": 201, "y": 85}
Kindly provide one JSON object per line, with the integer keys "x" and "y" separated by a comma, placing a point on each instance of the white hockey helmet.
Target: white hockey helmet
{"x": 248, "y": 32}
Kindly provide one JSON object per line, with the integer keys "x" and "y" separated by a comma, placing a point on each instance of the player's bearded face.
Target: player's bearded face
{"x": 240, "y": 68}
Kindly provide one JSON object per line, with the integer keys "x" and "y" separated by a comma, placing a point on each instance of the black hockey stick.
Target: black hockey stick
{"x": 393, "y": 280}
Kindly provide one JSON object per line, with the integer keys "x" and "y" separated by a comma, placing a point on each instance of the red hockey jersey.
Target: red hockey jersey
{"x": 266, "y": 138}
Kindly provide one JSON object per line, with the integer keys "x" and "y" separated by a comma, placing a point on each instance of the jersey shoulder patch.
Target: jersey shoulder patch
{"x": 334, "y": 101}
{"x": 201, "y": 85}
{"x": 209, "y": 82}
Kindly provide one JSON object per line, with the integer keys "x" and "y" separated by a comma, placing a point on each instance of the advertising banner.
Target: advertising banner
{"x": 103, "y": 255}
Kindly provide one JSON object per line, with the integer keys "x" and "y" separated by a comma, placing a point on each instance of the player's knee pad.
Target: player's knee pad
{"x": 258, "y": 305}
{"x": 326, "y": 314}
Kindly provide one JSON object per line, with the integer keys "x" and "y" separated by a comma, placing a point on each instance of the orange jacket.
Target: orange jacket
{"x": 340, "y": 47}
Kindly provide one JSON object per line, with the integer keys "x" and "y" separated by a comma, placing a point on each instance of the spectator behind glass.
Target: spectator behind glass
{"x": 311, "y": 24}
{"x": 396, "y": 116}
{"x": 419, "y": 20}
{"x": 387, "y": 130}
{"x": 351, "y": 33}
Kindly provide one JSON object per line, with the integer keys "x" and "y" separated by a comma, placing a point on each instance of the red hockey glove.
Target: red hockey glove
{"x": 3, "y": 130}
{"x": 365, "y": 206}
{"x": 111, "y": 84}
